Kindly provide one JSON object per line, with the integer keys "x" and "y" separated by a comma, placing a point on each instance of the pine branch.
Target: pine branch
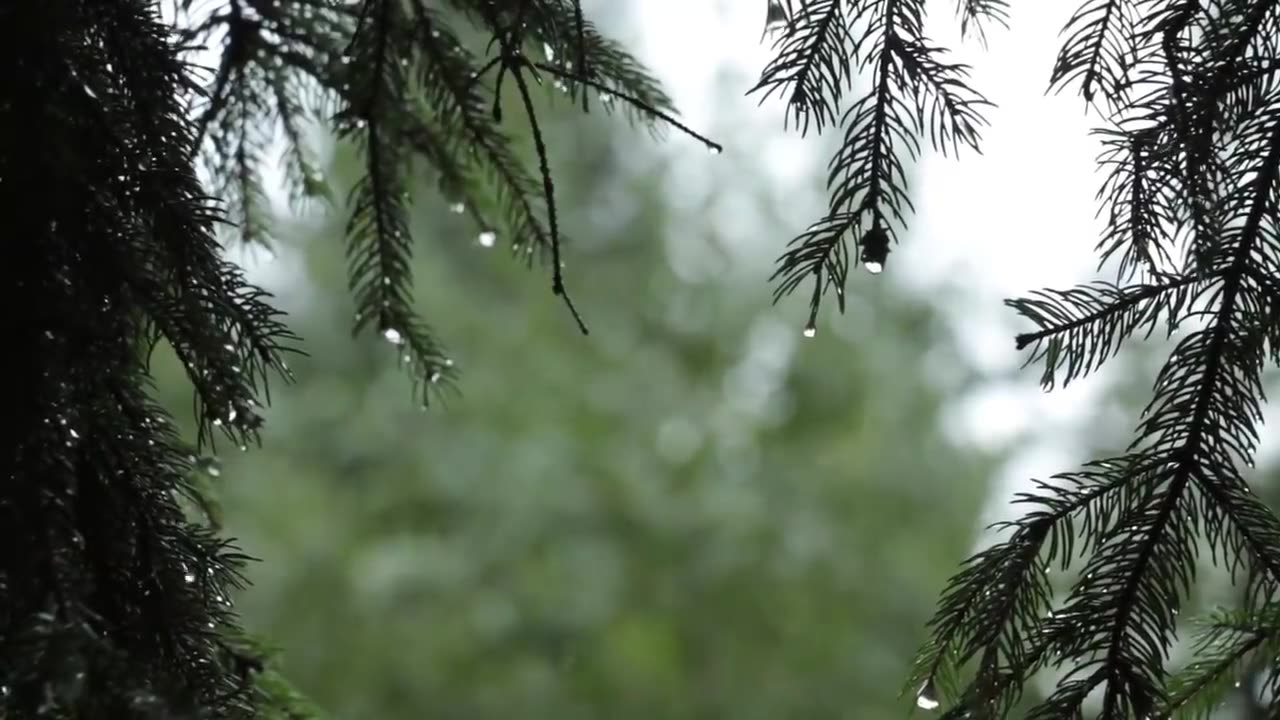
{"x": 380, "y": 245}
{"x": 814, "y": 64}
{"x": 600, "y": 64}
{"x": 432, "y": 105}
{"x": 1141, "y": 215}
{"x": 1083, "y": 327}
{"x": 913, "y": 92}
{"x": 1226, "y": 642}
{"x": 1098, "y": 52}
{"x": 975, "y": 14}
{"x": 993, "y": 610}
{"x": 114, "y": 602}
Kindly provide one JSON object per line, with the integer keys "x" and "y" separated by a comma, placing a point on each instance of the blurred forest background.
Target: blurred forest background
{"x": 695, "y": 512}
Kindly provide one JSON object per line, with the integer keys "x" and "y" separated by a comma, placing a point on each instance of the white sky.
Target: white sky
{"x": 1017, "y": 218}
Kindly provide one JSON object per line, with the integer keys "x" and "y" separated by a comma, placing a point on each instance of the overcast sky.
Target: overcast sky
{"x": 1021, "y": 216}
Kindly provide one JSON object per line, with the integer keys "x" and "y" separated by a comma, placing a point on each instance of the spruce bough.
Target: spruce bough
{"x": 121, "y": 159}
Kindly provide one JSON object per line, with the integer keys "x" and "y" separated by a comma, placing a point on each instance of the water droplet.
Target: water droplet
{"x": 927, "y": 698}
{"x": 549, "y": 51}
{"x": 435, "y": 376}
{"x": 244, "y": 448}
{"x": 393, "y": 336}
{"x": 457, "y": 208}
{"x": 189, "y": 578}
{"x": 231, "y": 416}
{"x": 714, "y": 149}
{"x": 488, "y": 238}
{"x": 873, "y": 267}
{"x": 74, "y": 434}
{"x": 217, "y": 422}
{"x": 810, "y": 331}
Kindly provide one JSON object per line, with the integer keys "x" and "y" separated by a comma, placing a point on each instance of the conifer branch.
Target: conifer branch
{"x": 380, "y": 244}
{"x": 814, "y": 64}
{"x": 913, "y": 93}
{"x": 104, "y": 578}
{"x": 1098, "y": 52}
{"x": 516, "y": 64}
{"x": 975, "y": 14}
{"x": 644, "y": 109}
{"x": 1083, "y": 327}
{"x": 1140, "y": 211}
{"x": 1227, "y": 640}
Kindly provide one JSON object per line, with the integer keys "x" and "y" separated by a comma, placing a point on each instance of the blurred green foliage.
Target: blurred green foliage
{"x": 692, "y": 513}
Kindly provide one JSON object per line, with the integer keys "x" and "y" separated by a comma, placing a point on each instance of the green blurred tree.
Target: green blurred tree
{"x": 695, "y": 512}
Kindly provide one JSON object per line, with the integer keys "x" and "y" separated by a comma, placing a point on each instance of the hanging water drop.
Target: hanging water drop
{"x": 488, "y": 238}
{"x": 231, "y": 415}
{"x": 810, "y": 331}
{"x": 927, "y": 698}
{"x": 873, "y": 267}
{"x": 457, "y": 208}
{"x": 189, "y": 578}
{"x": 714, "y": 149}
{"x": 393, "y": 336}
{"x": 549, "y": 51}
